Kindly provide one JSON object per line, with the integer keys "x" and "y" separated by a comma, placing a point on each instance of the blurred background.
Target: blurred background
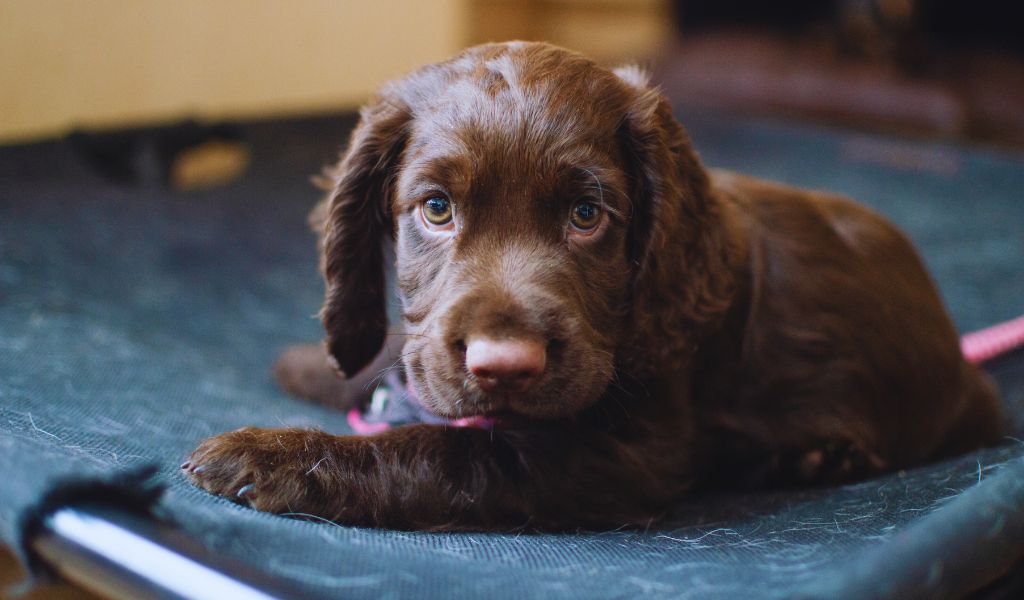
{"x": 937, "y": 68}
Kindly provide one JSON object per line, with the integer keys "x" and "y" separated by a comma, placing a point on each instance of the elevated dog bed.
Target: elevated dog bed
{"x": 136, "y": 320}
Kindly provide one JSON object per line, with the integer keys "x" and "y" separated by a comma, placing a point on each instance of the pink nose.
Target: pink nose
{"x": 509, "y": 364}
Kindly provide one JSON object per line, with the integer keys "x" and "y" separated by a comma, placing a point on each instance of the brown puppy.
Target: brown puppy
{"x": 567, "y": 265}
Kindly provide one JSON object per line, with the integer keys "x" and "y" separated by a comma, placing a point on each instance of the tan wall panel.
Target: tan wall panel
{"x": 610, "y": 31}
{"x": 108, "y": 62}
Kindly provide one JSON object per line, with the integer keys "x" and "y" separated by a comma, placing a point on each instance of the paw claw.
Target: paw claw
{"x": 185, "y": 465}
{"x": 837, "y": 462}
{"x": 245, "y": 491}
{"x": 810, "y": 464}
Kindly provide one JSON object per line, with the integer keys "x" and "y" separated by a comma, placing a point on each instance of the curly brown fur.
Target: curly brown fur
{"x": 711, "y": 327}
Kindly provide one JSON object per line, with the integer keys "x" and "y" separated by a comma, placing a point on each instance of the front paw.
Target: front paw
{"x": 274, "y": 470}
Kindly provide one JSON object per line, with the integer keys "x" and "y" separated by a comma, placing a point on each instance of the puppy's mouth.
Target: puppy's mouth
{"x": 506, "y": 407}
{"x": 464, "y": 401}
{"x": 492, "y": 406}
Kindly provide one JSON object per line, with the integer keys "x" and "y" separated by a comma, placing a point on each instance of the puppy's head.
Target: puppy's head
{"x": 551, "y": 224}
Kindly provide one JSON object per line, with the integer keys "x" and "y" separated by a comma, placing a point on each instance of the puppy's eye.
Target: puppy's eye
{"x": 585, "y": 215}
{"x": 437, "y": 211}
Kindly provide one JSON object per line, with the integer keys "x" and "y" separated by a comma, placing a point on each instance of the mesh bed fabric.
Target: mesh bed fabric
{"x": 136, "y": 320}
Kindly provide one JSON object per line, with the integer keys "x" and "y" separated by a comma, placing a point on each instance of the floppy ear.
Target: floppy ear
{"x": 679, "y": 242}
{"x": 354, "y": 219}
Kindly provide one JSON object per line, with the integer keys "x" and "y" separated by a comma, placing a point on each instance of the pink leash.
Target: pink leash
{"x": 986, "y": 344}
{"x": 360, "y": 426}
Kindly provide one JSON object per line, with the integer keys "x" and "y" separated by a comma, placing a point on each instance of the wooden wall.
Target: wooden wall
{"x": 105, "y": 63}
